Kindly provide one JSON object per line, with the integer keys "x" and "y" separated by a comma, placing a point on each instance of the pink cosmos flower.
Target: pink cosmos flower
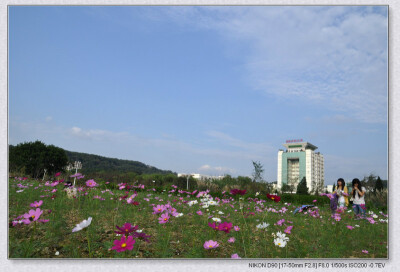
{"x": 57, "y": 174}
{"x": 280, "y": 222}
{"x": 213, "y": 226}
{"x": 91, "y": 183}
{"x": 231, "y": 240}
{"x": 210, "y": 244}
{"x": 123, "y": 244}
{"x": 199, "y": 213}
{"x": 236, "y": 228}
{"x": 235, "y": 256}
{"x": 314, "y": 200}
{"x": 350, "y": 227}
{"x": 364, "y": 251}
{"x": 32, "y": 215}
{"x": 36, "y": 204}
{"x": 288, "y": 229}
{"x": 130, "y": 199}
{"x": 159, "y": 209}
{"x": 164, "y": 218}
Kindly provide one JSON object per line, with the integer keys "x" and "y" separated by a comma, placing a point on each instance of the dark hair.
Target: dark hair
{"x": 343, "y": 183}
{"x": 356, "y": 180}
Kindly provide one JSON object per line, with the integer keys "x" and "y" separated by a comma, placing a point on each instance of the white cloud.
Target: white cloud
{"x": 49, "y": 118}
{"x": 216, "y": 170}
{"x": 332, "y": 56}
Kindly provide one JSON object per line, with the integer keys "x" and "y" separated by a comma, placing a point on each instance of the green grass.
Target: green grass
{"x": 181, "y": 237}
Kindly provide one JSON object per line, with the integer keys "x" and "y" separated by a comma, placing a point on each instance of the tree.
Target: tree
{"x": 31, "y": 158}
{"x": 302, "y": 188}
{"x": 287, "y": 188}
{"x": 258, "y": 171}
{"x": 379, "y": 185}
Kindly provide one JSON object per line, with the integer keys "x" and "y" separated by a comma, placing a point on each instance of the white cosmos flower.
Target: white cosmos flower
{"x": 205, "y": 206}
{"x": 262, "y": 226}
{"x": 179, "y": 215}
{"x": 280, "y": 242}
{"x": 215, "y": 219}
{"x": 219, "y": 212}
{"x": 57, "y": 253}
{"x": 85, "y": 223}
{"x": 282, "y": 236}
{"x": 191, "y": 203}
{"x": 375, "y": 216}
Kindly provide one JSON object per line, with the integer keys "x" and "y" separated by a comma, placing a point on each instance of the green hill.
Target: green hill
{"x": 94, "y": 163}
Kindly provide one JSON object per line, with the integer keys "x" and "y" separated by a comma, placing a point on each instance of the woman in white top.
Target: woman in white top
{"x": 358, "y": 198}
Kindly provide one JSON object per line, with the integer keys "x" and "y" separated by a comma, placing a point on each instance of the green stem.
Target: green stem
{"x": 87, "y": 234}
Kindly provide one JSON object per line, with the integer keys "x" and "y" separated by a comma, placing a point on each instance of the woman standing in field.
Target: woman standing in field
{"x": 342, "y": 193}
{"x": 358, "y": 198}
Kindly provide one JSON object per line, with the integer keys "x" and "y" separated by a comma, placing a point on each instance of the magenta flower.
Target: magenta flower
{"x": 32, "y": 215}
{"x": 123, "y": 244}
{"x": 364, "y": 251}
{"x": 235, "y": 256}
{"x": 225, "y": 227}
{"x": 213, "y": 226}
{"x": 164, "y": 218}
{"x": 91, "y": 183}
{"x": 231, "y": 240}
{"x": 76, "y": 175}
{"x": 36, "y": 204}
{"x": 350, "y": 227}
{"x": 126, "y": 229}
{"x": 210, "y": 244}
{"x": 314, "y": 200}
{"x": 288, "y": 229}
{"x": 236, "y": 228}
{"x": 57, "y": 174}
{"x": 199, "y": 213}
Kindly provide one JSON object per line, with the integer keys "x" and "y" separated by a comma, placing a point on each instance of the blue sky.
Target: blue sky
{"x": 203, "y": 89}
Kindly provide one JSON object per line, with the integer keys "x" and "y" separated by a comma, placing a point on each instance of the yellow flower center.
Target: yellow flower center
{"x": 272, "y": 198}
{"x": 165, "y": 219}
{"x": 159, "y": 209}
{"x": 210, "y": 246}
{"x": 279, "y": 244}
{"x": 123, "y": 245}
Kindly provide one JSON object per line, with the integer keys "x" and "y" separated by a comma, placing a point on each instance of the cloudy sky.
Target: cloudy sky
{"x": 203, "y": 89}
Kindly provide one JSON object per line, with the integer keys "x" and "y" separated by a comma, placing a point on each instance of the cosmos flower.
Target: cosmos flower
{"x": 235, "y": 256}
{"x": 159, "y": 209}
{"x": 36, "y": 204}
{"x": 91, "y": 183}
{"x": 210, "y": 244}
{"x": 126, "y": 229}
{"x": 231, "y": 240}
{"x": 31, "y": 216}
{"x": 280, "y": 242}
{"x": 85, "y": 223}
{"x": 288, "y": 229}
{"x": 262, "y": 226}
{"x": 164, "y": 218}
{"x": 123, "y": 244}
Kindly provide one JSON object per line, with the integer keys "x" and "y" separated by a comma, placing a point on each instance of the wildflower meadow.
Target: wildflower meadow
{"x": 97, "y": 219}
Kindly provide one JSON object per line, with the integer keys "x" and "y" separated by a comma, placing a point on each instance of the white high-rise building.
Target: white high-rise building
{"x": 300, "y": 160}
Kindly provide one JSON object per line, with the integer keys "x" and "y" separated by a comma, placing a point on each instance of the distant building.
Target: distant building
{"x": 200, "y": 176}
{"x": 300, "y": 160}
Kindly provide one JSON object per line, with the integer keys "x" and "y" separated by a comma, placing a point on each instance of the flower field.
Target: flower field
{"x": 96, "y": 220}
